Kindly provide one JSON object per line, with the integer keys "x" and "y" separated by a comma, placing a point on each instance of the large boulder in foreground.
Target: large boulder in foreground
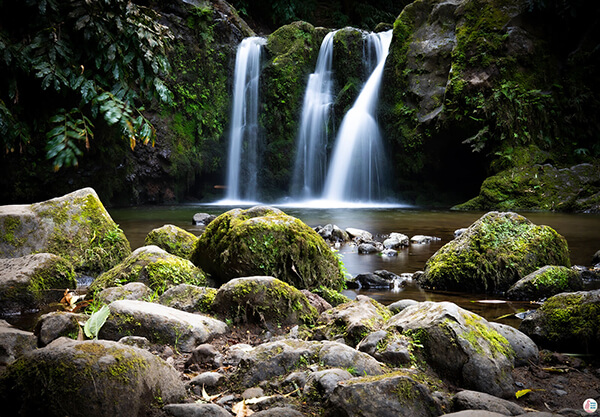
{"x": 173, "y": 239}
{"x": 153, "y": 267}
{"x": 264, "y": 300}
{"x": 266, "y": 241}
{"x": 28, "y": 282}
{"x": 494, "y": 253}
{"x": 75, "y": 226}
{"x": 567, "y": 321}
{"x": 460, "y": 346}
{"x": 88, "y": 379}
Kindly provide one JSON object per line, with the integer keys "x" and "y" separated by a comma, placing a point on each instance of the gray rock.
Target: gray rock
{"x": 126, "y": 380}
{"x": 205, "y": 354}
{"x": 545, "y": 282}
{"x": 31, "y": 281}
{"x": 203, "y": 218}
{"x": 338, "y": 355}
{"x": 459, "y": 232}
{"x": 137, "y": 341}
{"x": 395, "y": 241}
{"x": 206, "y": 379}
{"x": 195, "y": 410}
{"x": 369, "y": 281}
{"x": 14, "y": 343}
{"x": 388, "y": 347}
{"x": 236, "y": 353}
{"x": 596, "y": 258}
{"x": 400, "y": 305}
{"x": 160, "y": 324}
{"x": 359, "y": 234}
{"x": 354, "y": 319}
{"x": 253, "y": 392}
{"x": 130, "y": 291}
{"x": 475, "y": 413}
{"x": 69, "y": 226}
{"x": 460, "y": 346}
{"x": 526, "y": 351}
{"x": 422, "y": 239}
{"x": 367, "y": 248}
{"x": 473, "y": 400}
{"x": 322, "y": 383}
{"x": 315, "y": 300}
{"x": 51, "y": 326}
{"x": 273, "y": 359}
{"x": 384, "y": 397}
{"x": 389, "y": 252}
{"x": 189, "y": 298}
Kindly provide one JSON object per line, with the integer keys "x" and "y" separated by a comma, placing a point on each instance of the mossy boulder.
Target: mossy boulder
{"x": 55, "y": 324}
{"x": 353, "y": 321}
{"x": 494, "y": 253}
{"x": 75, "y": 226}
{"x": 266, "y": 241}
{"x": 29, "y": 282}
{"x": 567, "y": 321}
{"x": 189, "y": 298}
{"x": 545, "y": 282}
{"x": 173, "y": 239}
{"x": 14, "y": 343}
{"x": 129, "y": 291}
{"x": 91, "y": 379}
{"x": 152, "y": 266}
{"x": 263, "y": 300}
{"x": 459, "y": 345}
{"x": 540, "y": 187}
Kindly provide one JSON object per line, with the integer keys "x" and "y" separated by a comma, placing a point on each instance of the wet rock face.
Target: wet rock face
{"x": 59, "y": 377}
{"x": 494, "y": 253}
{"x": 266, "y": 241}
{"x": 459, "y": 345}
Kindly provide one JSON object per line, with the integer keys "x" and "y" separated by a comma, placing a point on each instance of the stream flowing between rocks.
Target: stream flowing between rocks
{"x": 582, "y": 232}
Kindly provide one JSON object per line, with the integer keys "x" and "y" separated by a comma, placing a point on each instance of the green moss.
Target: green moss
{"x": 494, "y": 253}
{"x": 264, "y": 241}
{"x": 84, "y": 233}
{"x": 571, "y": 317}
{"x": 173, "y": 239}
{"x": 333, "y": 297}
{"x": 481, "y": 333}
{"x": 10, "y": 224}
{"x": 56, "y": 274}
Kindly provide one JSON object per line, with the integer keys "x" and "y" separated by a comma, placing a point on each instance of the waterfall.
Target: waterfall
{"x": 355, "y": 170}
{"x": 311, "y": 155}
{"x": 243, "y": 161}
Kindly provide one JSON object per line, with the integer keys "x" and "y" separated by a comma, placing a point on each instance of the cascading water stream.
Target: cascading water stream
{"x": 355, "y": 170}
{"x": 243, "y": 162}
{"x": 311, "y": 155}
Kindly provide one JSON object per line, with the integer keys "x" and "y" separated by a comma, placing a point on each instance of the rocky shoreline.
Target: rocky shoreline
{"x": 270, "y": 335}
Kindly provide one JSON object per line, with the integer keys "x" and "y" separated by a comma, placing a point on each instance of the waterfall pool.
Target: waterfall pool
{"x": 580, "y": 230}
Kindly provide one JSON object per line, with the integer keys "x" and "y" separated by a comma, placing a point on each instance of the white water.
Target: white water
{"x": 355, "y": 170}
{"x": 311, "y": 155}
{"x": 244, "y": 152}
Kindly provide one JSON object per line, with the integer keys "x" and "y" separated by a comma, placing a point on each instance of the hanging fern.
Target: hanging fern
{"x": 99, "y": 58}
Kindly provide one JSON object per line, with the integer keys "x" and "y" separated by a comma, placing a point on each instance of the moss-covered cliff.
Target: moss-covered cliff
{"x": 479, "y": 86}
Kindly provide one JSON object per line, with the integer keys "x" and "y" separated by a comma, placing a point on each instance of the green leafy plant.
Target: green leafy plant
{"x": 95, "y": 322}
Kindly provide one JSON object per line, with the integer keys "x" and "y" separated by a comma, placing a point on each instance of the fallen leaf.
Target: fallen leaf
{"x": 241, "y": 409}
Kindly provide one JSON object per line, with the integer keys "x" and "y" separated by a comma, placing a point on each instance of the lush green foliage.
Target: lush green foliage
{"x": 68, "y": 67}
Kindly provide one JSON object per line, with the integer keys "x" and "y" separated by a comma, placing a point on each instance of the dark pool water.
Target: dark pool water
{"x": 582, "y": 232}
